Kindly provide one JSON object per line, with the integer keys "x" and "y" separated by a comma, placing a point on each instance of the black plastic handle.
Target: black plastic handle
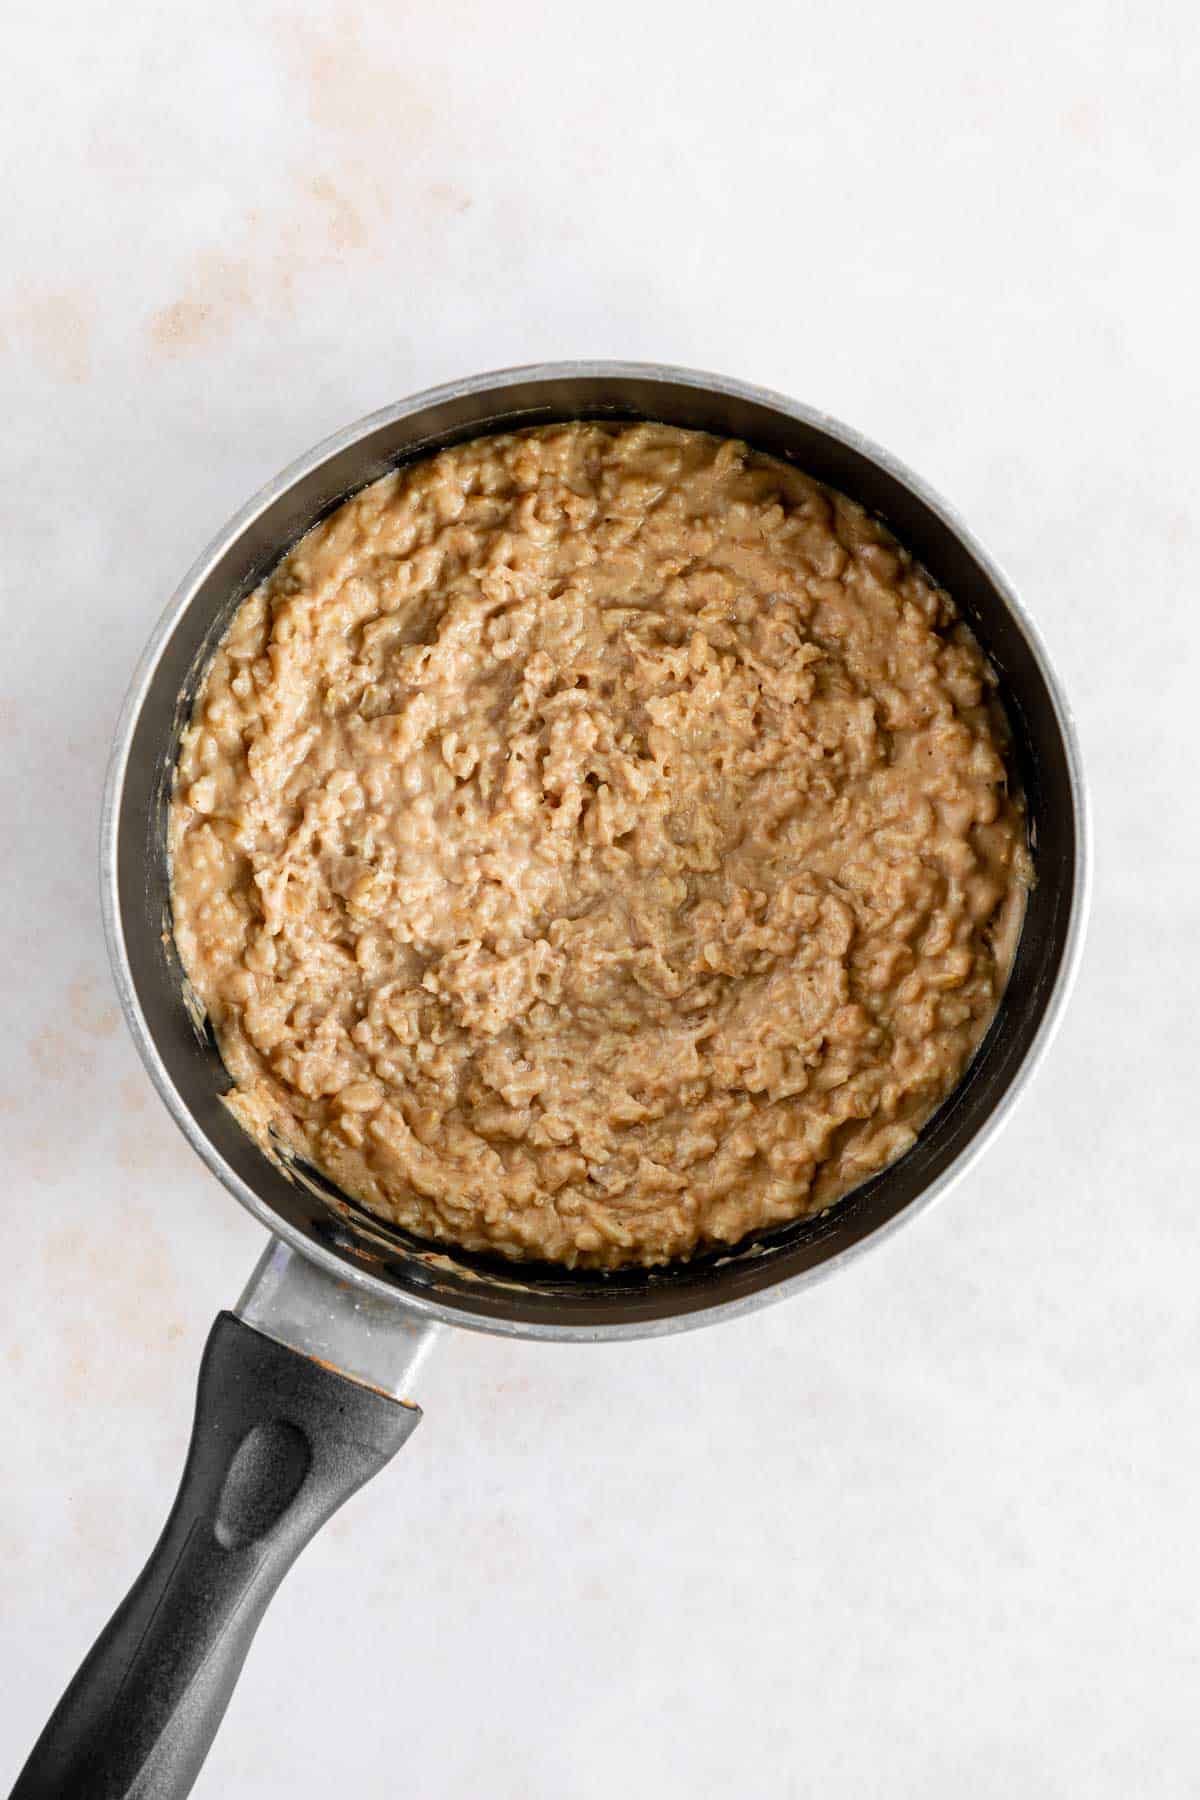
{"x": 279, "y": 1442}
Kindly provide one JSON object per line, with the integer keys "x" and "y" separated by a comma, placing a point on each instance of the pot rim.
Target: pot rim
{"x": 496, "y": 381}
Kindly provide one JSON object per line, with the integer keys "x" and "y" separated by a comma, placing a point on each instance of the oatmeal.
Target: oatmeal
{"x": 594, "y": 843}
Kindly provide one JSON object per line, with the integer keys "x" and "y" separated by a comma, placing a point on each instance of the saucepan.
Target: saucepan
{"x": 305, "y": 1388}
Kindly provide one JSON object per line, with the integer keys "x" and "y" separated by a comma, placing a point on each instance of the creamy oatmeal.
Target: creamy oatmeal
{"x": 594, "y": 843}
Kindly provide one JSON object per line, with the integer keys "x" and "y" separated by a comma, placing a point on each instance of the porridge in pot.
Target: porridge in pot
{"x": 594, "y": 843}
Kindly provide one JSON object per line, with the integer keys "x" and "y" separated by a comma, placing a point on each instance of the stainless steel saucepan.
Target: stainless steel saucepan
{"x": 304, "y": 1387}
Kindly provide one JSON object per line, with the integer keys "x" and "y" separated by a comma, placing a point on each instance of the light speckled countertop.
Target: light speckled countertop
{"x": 930, "y": 1529}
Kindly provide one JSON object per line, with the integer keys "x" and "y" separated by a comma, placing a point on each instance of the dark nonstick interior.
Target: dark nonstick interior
{"x": 483, "y": 1290}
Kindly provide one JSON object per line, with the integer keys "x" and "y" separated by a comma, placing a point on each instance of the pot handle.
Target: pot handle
{"x": 279, "y": 1442}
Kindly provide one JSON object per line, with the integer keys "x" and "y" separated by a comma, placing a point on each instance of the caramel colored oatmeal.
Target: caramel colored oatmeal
{"x": 593, "y": 843}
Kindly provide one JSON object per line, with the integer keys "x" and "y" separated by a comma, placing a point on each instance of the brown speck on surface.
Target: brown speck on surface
{"x": 68, "y": 1245}
{"x": 327, "y": 221}
{"x": 1179, "y": 527}
{"x": 182, "y": 325}
{"x": 89, "y": 1009}
{"x": 350, "y": 88}
{"x": 1084, "y": 122}
{"x": 56, "y": 1058}
{"x": 133, "y": 1092}
{"x": 344, "y": 224}
{"x": 57, "y": 329}
{"x": 218, "y": 295}
{"x": 449, "y": 199}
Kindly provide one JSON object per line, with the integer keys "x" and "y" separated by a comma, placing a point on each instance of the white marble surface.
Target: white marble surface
{"x": 930, "y": 1530}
